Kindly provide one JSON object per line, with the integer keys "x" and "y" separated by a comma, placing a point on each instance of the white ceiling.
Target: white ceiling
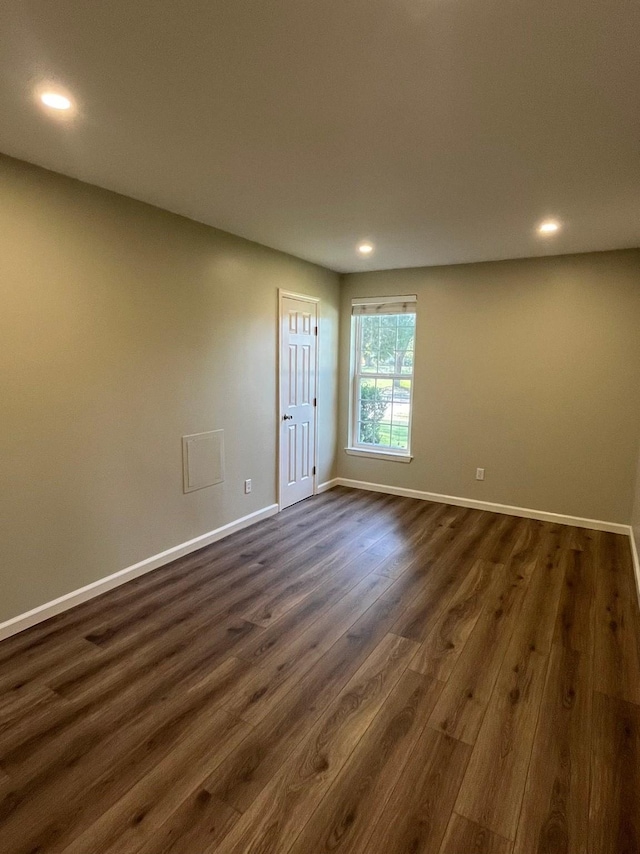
{"x": 442, "y": 130}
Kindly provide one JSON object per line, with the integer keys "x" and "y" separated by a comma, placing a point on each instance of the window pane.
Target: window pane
{"x": 387, "y": 344}
{"x": 374, "y": 406}
{"x": 400, "y": 414}
{"x": 366, "y": 435}
{"x": 401, "y": 401}
{"x": 385, "y": 435}
{"x": 371, "y": 409}
{"x": 385, "y": 388}
{"x": 405, "y": 342}
{"x": 400, "y": 437}
{"x": 369, "y": 344}
{"x": 406, "y": 362}
{"x": 406, "y": 329}
{"x": 383, "y": 405}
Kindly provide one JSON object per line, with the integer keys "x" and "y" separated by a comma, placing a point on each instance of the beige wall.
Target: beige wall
{"x": 122, "y": 328}
{"x": 528, "y": 368}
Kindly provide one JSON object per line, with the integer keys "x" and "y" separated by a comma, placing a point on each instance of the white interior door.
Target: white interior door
{"x": 298, "y": 349}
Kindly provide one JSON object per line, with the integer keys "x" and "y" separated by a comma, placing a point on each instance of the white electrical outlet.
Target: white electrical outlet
{"x": 479, "y": 474}
{"x": 247, "y": 486}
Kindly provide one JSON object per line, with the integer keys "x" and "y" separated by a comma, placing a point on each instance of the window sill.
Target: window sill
{"x": 379, "y": 455}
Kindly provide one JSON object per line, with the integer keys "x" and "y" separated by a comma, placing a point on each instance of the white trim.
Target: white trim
{"x": 282, "y": 294}
{"x": 636, "y": 560}
{"x": 327, "y": 485}
{"x": 63, "y": 603}
{"x": 379, "y": 455}
{"x": 542, "y": 515}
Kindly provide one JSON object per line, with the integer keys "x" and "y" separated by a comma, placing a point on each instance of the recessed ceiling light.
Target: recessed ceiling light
{"x": 549, "y": 226}
{"x": 365, "y": 248}
{"x": 55, "y": 100}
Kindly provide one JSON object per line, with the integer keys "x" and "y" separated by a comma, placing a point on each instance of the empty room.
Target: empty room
{"x": 319, "y": 427}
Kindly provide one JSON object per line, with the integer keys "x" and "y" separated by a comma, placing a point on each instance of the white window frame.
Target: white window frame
{"x": 360, "y": 449}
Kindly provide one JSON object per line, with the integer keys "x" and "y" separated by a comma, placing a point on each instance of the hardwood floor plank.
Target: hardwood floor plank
{"x": 617, "y": 652}
{"x": 130, "y": 687}
{"x": 467, "y": 837}
{"x": 17, "y": 701}
{"x": 241, "y": 778}
{"x": 461, "y": 706}
{"x": 537, "y": 619}
{"x": 440, "y": 583}
{"x": 132, "y": 694}
{"x": 375, "y": 531}
{"x": 417, "y": 813}
{"x": 226, "y": 633}
{"x": 47, "y": 662}
{"x": 320, "y": 562}
{"x": 265, "y": 686}
{"x": 76, "y": 787}
{"x": 438, "y": 530}
{"x": 614, "y": 810}
{"x": 344, "y": 820}
{"x": 270, "y": 643}
{"x": 437, "y": 656}
{"x": 198, "y": 824}
{"x": 577, "y": 539}
{"x": 419, "y": 556}
{"x": 493, "y": 787}
{"x": 507, "y": 535}
{"x": 535, "y": 540}
{"x": 555, "y": 808}
{"x": 276, "y": 817}
{"x": 576, "y": 611}
{"x": 142, "y": 810}
{"x": 274, "y": 604}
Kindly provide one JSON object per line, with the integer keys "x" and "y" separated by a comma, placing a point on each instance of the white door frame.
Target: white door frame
{"x": 282, "y": 294}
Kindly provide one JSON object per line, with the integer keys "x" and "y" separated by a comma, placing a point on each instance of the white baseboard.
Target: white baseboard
{"x": 636, "y": 560}
{"x": 542, "y": 515}
{"x": 63, "y": 603}
{"x": 329, "y": 484}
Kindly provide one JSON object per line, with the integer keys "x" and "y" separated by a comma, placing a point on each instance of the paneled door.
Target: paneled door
{"x": 298, "y": 379}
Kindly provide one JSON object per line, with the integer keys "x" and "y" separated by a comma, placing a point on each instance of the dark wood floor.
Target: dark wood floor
{"x": 362, "y": 673}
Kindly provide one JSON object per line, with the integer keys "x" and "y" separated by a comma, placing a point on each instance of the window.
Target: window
{"x": 383, "y": 338}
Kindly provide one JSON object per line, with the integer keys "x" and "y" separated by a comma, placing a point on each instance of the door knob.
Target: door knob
{"x": 287, "y": 417}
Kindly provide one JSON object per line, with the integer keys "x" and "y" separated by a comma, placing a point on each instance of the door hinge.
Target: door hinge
{"x": 316, "y": 332}
{"x": 315, "y": 401}
{"x": 314, "y": 470}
